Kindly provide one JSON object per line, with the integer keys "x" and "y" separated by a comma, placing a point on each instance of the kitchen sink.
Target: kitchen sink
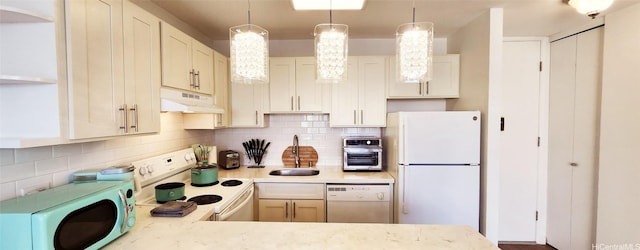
{"x": 295, "y": 172}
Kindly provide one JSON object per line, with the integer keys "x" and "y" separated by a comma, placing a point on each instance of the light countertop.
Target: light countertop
{"x": 328, "y": 174}
{"x": 192, "y": 232}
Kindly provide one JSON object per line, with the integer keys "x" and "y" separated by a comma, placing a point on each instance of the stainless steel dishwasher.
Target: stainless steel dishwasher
{"x": 359, "y": 203}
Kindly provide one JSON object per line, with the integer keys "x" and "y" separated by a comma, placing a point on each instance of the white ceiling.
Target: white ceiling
{"x": 379, "y": 18}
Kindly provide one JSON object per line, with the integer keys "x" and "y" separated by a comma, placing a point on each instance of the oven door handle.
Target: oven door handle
{"x": 123, "y": 200}
{"x": 234, "y": 209}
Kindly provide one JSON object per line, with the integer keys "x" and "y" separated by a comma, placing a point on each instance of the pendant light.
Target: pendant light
{"x": 249, "y": 52}
{"x": 414, "y": 51}
{"x": 331, "y": 50}
{"x": 590, "y": 7}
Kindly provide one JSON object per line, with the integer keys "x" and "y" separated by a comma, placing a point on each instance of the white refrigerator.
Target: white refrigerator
{"x": 435, "y": 160}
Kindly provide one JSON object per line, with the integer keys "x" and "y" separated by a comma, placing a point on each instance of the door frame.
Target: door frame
{"x": 543, "y": 126}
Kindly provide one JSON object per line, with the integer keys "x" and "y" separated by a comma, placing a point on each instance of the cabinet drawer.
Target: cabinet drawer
{"x": 290, "y": 190}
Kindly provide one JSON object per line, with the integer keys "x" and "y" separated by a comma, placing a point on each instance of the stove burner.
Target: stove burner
{"x": 206, "y": 199}
{"x": 231, "y": 183}
{"x": 179, "y": 199}
{"x": 204, "y": 185}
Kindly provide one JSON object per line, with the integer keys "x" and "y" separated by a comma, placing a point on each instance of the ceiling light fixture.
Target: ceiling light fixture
{"x": 414, "y": 51}
{"x": 590, "y": 7}
{"x": 326, "y": 5}
{"x": 249, "y": 52}
{"x": 331, "y": 50}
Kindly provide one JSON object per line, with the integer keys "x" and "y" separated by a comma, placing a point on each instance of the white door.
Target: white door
{"x": 519, "y": 156}
{"x": 441, "y": 137}
{"x": 309, "y": 92}
{"x": 282, "y": 84}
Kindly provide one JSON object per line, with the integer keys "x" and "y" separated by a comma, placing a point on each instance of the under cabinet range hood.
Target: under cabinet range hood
{"x": 173, "y": 100}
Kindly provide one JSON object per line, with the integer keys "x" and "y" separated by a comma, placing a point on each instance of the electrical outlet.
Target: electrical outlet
{"x": 34, "y": 189}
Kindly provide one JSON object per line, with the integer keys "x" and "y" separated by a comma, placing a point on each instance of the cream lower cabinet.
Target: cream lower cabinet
{"x": 293, "y": 87}
{"x": 360, "y": 101}
{"x": 294, "y": 202}
{"x": 109, "y": 93}
{"x": 444, "y": 83}
{"x": 186, "y": 63}
{"x": 291, "y": 210}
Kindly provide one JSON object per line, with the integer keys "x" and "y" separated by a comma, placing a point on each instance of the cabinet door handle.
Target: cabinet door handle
{"x": 354, "y": 117}
{"x": 256, "y": 117}
{"x": 192, "y": 83}
{"x": 294, "y": 210}
{"x": 298, "y": 103}
{"x": 573, "y": 164}
{"x": 420, "y": 89}
{"x": 291, "y": 103}
{"x": 123, "y": 109}
{"x": 198, "y": 74}
{"x": 219, "y": 120}
{"x": 362, "y": 116}
{"x": 286, "y": 210}
{"x": 427, "y": 87}
{"x": 134, "y": 115}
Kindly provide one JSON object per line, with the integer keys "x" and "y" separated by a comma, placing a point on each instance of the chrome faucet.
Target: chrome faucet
{"x": 296, "y": 151}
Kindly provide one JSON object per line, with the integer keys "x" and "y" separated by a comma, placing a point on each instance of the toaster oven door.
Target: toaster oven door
{"x": 362, "y": 159}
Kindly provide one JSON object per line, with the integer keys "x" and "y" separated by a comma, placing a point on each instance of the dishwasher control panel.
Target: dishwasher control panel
{"x": 355, "y": 192}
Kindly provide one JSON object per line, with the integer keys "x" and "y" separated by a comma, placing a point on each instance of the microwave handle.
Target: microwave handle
{"x": 123, "y": 199}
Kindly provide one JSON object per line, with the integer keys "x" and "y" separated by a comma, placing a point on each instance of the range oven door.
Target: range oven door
{"x": 88, "y": 222}
{"x": 240, "y": 210}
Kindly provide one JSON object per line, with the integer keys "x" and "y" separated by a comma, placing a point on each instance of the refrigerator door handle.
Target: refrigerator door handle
{"x": 405, "y": 207}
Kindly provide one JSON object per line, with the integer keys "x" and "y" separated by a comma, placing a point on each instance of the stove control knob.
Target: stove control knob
{"x": 380, "y": 196}
{"x": 143, "y": 171}
{"x": 150, "y": 169}
{"x": 189, "y": 156}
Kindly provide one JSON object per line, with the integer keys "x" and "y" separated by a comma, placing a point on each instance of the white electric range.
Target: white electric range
{"x": 233, "y": 198}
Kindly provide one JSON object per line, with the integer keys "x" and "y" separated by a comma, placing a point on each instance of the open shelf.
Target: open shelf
{"x": 8, "y": 79}
{"x": 16, "y": 15}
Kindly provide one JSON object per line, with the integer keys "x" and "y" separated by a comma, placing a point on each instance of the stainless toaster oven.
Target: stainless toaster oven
{"x": 362, "y": 154}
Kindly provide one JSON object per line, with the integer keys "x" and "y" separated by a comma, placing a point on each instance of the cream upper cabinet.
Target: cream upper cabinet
{"x": 444, "y": 83}
{"x": 221, "y": 83}
{"x": 293, "y": 86}
{"x": 221, "y": 80}
{"x": 247, "y": 102}
{"x": 97, "y": 105}
{"x": 114, "y": 69}
{"x": 141, "y": 69}
{"x": 186, "y": 63}
{"x": 360, "y": 100}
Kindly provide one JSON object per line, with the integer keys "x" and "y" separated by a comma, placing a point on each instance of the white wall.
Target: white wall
{"x": 618, "y": 219}
{"x": 312, "y": 130}
{"x": 480, "y": 46}
{"x": 52, "y": 165}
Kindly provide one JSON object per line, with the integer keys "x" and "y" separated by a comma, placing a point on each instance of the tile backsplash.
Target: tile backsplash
{"x": 29, "y": 169}
{"x": 312, "y": 130}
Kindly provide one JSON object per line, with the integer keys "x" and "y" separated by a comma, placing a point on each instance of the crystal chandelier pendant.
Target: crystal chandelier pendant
{"x": 249, "y": 54}
{"x": 331, "y": 50}
{"x": 414, "y": 52}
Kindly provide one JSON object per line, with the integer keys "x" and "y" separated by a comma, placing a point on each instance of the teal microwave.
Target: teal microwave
{"x": 81, "y": 215}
